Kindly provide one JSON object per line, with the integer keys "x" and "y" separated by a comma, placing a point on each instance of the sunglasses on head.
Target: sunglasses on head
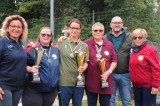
{"x": 44, "y": 35}
{"x": 135, "y": 38}
{"x": 98, "y": 30}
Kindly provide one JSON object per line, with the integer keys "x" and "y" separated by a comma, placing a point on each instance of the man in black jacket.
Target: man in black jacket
{"x": 122, "y": 43}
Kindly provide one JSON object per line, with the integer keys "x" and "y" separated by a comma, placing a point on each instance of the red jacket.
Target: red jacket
{"x": 144, "y": 67}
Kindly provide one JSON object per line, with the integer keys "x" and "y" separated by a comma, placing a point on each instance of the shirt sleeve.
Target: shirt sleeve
{"x": 155, "y": 67}
{"x": 114, "y": 55}
{"x": 1, "y": 49}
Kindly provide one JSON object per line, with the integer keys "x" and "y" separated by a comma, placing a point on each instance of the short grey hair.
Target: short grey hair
{"x": 98, "y": 24}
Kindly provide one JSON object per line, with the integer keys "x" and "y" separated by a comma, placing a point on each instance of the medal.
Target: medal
{"x": 72, "y": 50}
{"x": 49, "y": 60}
{"x": 72, "y": 55}
{"x": 98, "y": 56}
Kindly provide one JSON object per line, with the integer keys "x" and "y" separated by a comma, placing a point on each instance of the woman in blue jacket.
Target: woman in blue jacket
{"x": 43, "y": 93}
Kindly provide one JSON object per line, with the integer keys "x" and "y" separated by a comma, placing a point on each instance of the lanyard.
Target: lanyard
{"x": 72, "y": 50}
{"x": 98, "y": 50}
{"x": 98, "y": 55}
{"x": 48, "y": 55}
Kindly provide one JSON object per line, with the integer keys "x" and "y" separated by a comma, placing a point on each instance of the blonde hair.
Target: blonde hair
{"x": 138, "y": 31}
{"x": 8, "y": 20}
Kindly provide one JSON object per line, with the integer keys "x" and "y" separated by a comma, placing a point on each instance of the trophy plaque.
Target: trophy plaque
{"x": 80, "y": 59}
{"x": 38, "y": 54}
{"x": 102, "y": 63}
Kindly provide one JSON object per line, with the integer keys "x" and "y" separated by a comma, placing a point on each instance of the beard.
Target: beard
{"x": 117, "y": 31}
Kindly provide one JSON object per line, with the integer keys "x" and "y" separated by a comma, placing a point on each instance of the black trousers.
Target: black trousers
{"x": 31, "y": 97}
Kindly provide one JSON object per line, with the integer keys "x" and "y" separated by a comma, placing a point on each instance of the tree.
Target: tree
{"x": 7, "y": 7}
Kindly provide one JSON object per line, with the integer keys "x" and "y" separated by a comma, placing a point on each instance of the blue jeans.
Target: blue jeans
{"x": 11, "y": 97}
{"x": 123, "y": 82}
{"x": 66, "y": 93}
{"x": 104, "y": 99}
{"x": 143, "y": 97}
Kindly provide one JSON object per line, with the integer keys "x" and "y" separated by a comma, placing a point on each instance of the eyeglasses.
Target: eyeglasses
{"x": 14, "y": 27}
{"x": 98, "y": 30}
{"x": 74, "y": 28}
{"x": 115, "y": 23}
{"x": 44, "y": 35}
{"x": 135, "y": 38}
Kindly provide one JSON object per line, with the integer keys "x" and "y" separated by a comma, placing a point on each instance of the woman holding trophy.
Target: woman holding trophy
{"x": 43, "y": 70}
{"x": 13, "y": 60}
{"x": 103, "y": 60}
{"x": 69, "y": 86}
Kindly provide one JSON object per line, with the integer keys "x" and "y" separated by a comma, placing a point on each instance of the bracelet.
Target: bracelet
{"x": 110, "y": 71}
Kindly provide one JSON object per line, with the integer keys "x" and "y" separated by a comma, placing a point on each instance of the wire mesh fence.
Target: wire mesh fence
{"x": 132, "y": 18}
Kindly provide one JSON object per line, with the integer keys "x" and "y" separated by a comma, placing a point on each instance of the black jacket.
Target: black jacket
{"x": 123, "y": 54}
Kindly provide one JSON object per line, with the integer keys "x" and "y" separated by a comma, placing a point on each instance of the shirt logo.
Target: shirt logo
{"x": 54, "y": 56}
{"x": 140, "y": 57}
{"x": 80, "y": 49}
{"x": 23, "y": 46}
{"x": 106, "y": 53}
{"x": 10, "y": 46}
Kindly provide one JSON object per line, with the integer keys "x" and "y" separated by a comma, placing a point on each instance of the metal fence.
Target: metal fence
{"x": 131, "y": 20}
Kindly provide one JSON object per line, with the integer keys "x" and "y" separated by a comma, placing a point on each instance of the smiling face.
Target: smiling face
{"x": 15, "y": 29}
{"x": 98, "y": 33}
{"x": 138, "y": 39}
{"x": 45, "y": 36}
{"x": 74, "y": 30}
{"x": 116, "y": 24}
{"x": 138, "y": 36}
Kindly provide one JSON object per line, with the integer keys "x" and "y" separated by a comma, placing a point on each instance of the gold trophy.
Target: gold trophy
{"x": 80, "y": 59}
{"x": 38, "y": 54}
{"x": 102, "y": 64}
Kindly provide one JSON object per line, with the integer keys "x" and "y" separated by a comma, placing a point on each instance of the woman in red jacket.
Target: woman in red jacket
{"x": 144, "y": 70}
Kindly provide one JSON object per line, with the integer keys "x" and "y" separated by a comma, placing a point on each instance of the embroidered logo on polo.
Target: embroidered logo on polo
{"x": 65, "y": 46}
{"x": 140, "y": 57}
{"x": 106, "y": 53}
{"x": 23, "y": 46}
{"x": 10, "y": 46}
{"x": 54, "y": 56}
{"x": 80, "y": 49}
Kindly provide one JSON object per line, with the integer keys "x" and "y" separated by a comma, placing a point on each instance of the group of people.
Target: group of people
{"x": 128, "y": 59}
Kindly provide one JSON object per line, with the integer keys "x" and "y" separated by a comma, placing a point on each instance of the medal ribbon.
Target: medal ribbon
{"x": 46, "y": 52}
{"x": 98, "y": 50}
{"x": 72, "y": 50}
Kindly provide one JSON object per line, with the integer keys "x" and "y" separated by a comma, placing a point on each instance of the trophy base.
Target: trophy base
{"x": 36, "y": 80}
{"x": 80, "y": 84}
{"x": 104, "y": 85}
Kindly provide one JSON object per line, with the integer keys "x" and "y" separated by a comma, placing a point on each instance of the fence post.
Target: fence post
{"x": 93, "y": 17}
{"x": 52, "y": 16}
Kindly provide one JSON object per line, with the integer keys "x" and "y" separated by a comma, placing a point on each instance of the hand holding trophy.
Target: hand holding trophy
{"x": 80, "y": 59}
{"x": 38, "y": 54}
{"x": 102, "y": 63}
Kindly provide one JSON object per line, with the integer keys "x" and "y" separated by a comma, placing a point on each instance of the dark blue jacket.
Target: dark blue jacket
{"x": 49, "y": 72}
{"x": 13, "y": 61}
